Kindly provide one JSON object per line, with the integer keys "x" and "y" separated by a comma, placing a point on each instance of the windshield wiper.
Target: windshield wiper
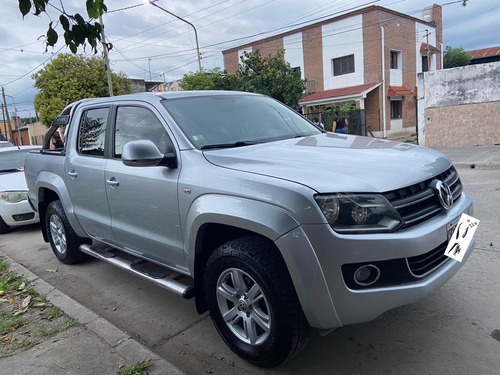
{"x": 229, "y": 145}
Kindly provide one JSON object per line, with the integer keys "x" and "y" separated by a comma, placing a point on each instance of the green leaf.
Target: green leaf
{"x": 51, "y": 36}
{"x": 72, "y": 47}
{"x": 78, "y": 34}
{"x": 24, "y": 6}
{"x": 79, "y": 19}
{"x": 64, "y": 22}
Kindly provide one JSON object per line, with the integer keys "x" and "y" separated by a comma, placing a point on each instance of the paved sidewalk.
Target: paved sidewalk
{"x": 480, "y": 157}
{"x": 95, "y": 347}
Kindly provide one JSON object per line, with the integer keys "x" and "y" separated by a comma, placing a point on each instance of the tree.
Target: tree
{"x": 271, "y": 76}
{"x": 454, "y": 57}
{"x": 213, "y": 79}
{"x": 77, "y": 31}
{"x": 68, "y": 78}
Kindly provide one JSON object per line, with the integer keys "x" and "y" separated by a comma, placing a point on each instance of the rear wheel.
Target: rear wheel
{"x": 64, "y": 241}
{"x": 253, "y": 303}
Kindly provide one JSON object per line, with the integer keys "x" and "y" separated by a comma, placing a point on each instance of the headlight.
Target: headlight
{"x": 13, "y": 196}
{"x": 359, "y": 213}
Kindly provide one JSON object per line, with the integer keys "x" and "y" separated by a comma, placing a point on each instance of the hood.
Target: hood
{"x": 331, "y": 162}
{"x": 13, "y": 181}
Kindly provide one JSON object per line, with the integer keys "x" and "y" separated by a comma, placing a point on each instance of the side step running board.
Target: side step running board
{"x": 166, "y": 282}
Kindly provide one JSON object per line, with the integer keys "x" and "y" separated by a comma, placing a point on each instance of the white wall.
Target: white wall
{"x": 422, "y": 38}
{"x": 459, "y": 106}
{"x": 342, "y": 38}
{"x": 294, "y": 53}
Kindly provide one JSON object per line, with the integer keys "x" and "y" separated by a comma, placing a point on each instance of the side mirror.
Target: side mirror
{"x": 144, "y": 153}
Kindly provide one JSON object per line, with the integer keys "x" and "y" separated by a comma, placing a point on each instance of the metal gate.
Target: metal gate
{"x": 356, "y": 119}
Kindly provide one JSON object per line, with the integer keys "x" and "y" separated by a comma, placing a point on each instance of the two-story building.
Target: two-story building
{"x": 369, "y": 57}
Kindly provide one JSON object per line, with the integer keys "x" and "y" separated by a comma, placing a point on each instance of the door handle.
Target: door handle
{"x": 113, "y": 182}
{"x": 73, "y": 174}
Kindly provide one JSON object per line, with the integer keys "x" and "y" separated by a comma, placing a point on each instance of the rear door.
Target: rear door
{"x": 84, "y": 168}
{"x": 143, "y": 200}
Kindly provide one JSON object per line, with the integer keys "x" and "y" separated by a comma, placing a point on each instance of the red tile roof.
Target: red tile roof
{"x": 398, "y": 91}
{"x": 344, "y": 91}
{"x": 432, "y": 49}
{"x": 484, "y": 52}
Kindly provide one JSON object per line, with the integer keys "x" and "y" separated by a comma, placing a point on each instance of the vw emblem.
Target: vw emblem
{"x": 444, "y": 193}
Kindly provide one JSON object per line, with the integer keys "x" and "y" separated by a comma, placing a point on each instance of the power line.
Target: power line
{"x": 35, "y": 68}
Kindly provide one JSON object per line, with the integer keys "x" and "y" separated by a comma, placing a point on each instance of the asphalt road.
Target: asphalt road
{"x": 454, "y": 331}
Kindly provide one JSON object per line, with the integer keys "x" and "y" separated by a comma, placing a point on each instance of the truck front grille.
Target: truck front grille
{"x": 418, "y": 203}
{"x": 421, "y": 265}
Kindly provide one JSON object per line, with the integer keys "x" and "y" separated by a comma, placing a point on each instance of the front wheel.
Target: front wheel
{"x": 4, "y": 228}
{"x": 64, "y": 241}
{"x": 253, "y": 303}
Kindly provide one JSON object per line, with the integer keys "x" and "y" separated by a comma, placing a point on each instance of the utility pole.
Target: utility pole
{"x": 7, "y": 114}
{"x": 106, "y": 60}
{"x": 4, "y": 123}
{"x": 427, "y": 51}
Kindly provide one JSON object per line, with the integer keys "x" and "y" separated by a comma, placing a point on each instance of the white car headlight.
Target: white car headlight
{"x": 359, "y": 213}
{"x": 13, "y": 196}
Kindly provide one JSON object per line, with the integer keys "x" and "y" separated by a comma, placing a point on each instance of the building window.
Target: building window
{"x": 395, "y": 108}
{"x": 396, "y": 60}
{"x": 425, "y": 64}
{"x": 343, "y": 65}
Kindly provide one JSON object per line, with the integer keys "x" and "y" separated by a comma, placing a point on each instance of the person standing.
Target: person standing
{"x": 318, "y": 123}
{"x": 340, "y": 123}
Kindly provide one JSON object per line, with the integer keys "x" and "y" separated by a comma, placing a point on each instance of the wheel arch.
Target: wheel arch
{"x": 51, "y": 187}
{"x": 214, "y": 220}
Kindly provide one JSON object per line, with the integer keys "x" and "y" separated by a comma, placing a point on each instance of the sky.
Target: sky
{"x": 148, "y": 42}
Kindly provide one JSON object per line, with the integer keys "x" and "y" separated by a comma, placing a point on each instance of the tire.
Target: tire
{"x": 4, "y": 228}
{"x": 64, "y": 241}
{"x": 246, "y": 281}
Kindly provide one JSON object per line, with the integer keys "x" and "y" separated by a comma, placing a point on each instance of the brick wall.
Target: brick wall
{"x": 463, "y": 125}
{"x": 313, "y": 56}
{"x": 231, "y": 62}
{"x": 438, "y": 21}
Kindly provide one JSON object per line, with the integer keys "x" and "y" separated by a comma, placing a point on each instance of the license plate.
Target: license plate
{"x": 462, "y": 232}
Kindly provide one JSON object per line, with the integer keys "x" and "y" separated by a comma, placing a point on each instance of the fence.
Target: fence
{"x": 356, "y": 119}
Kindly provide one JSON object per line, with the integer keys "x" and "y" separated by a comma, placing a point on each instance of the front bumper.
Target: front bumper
{"x": 315, "y": 256}
{"x": 19, "y": 213}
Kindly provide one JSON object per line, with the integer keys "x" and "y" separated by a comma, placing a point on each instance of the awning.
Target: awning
{"x": 339, "y": 95}
{"x": 398, "y": 91}
{"x": 432, "y": 49}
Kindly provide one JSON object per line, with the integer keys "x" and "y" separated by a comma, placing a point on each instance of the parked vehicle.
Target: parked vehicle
{"x": 14, "y": 207}
{"x": 276, "y": 225}
{"x": 5, "y": 144}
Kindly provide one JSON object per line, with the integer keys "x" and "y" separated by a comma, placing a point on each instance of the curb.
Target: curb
{"x": 120, "y": 342}
{"x": 482, "y": 166}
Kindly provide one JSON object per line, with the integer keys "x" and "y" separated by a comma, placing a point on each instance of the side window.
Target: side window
{"x": 92, "y": 132}
{"x": 137, "y": 123}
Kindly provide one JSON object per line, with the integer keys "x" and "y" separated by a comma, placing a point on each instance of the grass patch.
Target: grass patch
{"x": 26, "y": 317}
{"x": 140, "y": 368}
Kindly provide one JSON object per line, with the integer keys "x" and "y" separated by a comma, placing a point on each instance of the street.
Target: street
{"x": 450, "y": 332}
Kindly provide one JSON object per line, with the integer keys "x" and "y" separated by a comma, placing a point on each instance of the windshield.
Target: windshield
{"x": 12, "y": 160}
{"x": 210, "y": 121}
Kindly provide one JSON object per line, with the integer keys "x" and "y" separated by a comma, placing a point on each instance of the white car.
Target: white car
{"x": 14, "y": 207}
{"x": 5, "y": 144}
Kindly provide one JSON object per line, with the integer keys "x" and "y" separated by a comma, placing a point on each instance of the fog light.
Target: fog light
{"x": 366, "y": 275}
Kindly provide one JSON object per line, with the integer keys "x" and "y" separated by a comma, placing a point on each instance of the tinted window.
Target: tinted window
{"x": 92, "y": 133}
{"x": 226, "y": 119}
{"x": 136, "y": 123}
{"x": 343, "y": 65}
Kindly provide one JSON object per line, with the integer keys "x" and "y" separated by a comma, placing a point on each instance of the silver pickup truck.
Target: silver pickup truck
{"x": 272, "y": 224}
